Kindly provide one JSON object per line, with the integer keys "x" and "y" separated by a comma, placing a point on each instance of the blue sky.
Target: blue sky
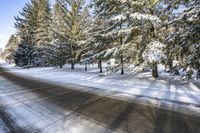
{"x": 9, "y": 9}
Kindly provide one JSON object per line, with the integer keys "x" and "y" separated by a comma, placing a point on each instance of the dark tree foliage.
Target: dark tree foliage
{"x": 24, "y": 55}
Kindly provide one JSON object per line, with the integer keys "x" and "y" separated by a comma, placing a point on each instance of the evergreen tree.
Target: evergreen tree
{"x": 10, "y": 48}
{"x": 34, "y": 24}
{"x": 142, "y": 32}
{"x": 43, "y": 31}
{"x": 94, "y": 45}
{"x": 73, "y": 18}
{"x": 58, "y": 46}
{"x": 133, "y": 27}
{"x": 26, "y": 27}
{"x": 115, "y": 32}
{"x": 132, "y": 24}
{"x": 23, "y": 56}
{"x": 86, "y": 24}
{"x": 185, "y": 36}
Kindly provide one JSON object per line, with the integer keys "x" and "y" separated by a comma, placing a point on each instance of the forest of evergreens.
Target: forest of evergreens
{"x": 140, "y": 32}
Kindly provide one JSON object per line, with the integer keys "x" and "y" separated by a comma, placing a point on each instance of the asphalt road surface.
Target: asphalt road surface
{"x": 33, "y": 106}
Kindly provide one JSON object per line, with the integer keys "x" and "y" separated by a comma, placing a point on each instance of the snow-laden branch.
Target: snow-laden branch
{"x": 119, "y": 18}
{"x": 120, "y": 32}
{"x": 131, "y": 2}
{"x": 147, "y": 17}
{"x": 189, "y": 14}
{"x": 154, "y": 52}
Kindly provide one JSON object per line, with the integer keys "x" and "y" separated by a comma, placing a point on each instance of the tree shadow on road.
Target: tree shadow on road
{"x": 114, "y": 114}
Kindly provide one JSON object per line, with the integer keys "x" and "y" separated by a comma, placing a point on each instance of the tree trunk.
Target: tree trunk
{"x": 28, "y": 66}
{"x": 100, "y": 66}
{"x": 198, "y": 74}
{"x": 154, "y": 69}
{"x": 154, "y": 64}
{"x": 122, "y": 58}
{"x": 61, "y": 65}
{"x": 122, "y": 65}
{"x": 72, "y": 58}
{"x": 45, "y": 63}
{"x": 86, "y": 67}
{"x": 72, "y": 65}
{"x": 169, "y": 65}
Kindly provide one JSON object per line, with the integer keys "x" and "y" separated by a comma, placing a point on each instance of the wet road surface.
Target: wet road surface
{"x": 33, "y": 106}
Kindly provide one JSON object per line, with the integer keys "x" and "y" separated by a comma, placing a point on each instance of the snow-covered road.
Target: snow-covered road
{"x": 172, "y": 94}
{"x": 30, "y": 105}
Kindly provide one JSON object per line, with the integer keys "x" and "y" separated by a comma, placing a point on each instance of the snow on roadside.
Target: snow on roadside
{"x": 181, "y": 95}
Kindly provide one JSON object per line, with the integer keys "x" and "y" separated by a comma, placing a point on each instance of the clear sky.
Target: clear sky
{"x": 9, "y": 9}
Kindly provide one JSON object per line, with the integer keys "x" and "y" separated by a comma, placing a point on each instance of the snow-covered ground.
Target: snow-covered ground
{"x": 164, "y": 92}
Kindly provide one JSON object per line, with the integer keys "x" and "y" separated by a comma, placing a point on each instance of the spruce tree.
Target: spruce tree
{"x": 128, "y": 22}
{"x": 114, "y": 34}
{"x": 43, "y": 31}
{"x": 94, "y": 45}
{"x": 73, "y": 26}
{"x": 184, "y": 36}
{"x": 133, "y": 27}
{"x": 86, "y": 24}
{"x": 26, "y": 27}
{"x": 23, "y": 56}
{"x": 58, "y": 46}
{"x": 10, "y": 48}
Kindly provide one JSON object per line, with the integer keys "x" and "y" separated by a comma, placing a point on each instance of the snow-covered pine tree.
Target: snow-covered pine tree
{"x": 58, "y": 47}
{"x": 141, "y": 27}
{"x": 43, "y": 31}
{"x": 24, "y": 54}
{"x": 185, "y": 35}
{"x": 152, "y": 36}
{"x": 10, "y": 48}
{"x": 86, "y": 26}
{"x": 95, "y": 43}
{"x": 114, "y": 12}
{"x": 26, "y": 27}
{"x": 73, "y": 14}
{"x": 58, "y": 52}
{"x": 133, "y": 25}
